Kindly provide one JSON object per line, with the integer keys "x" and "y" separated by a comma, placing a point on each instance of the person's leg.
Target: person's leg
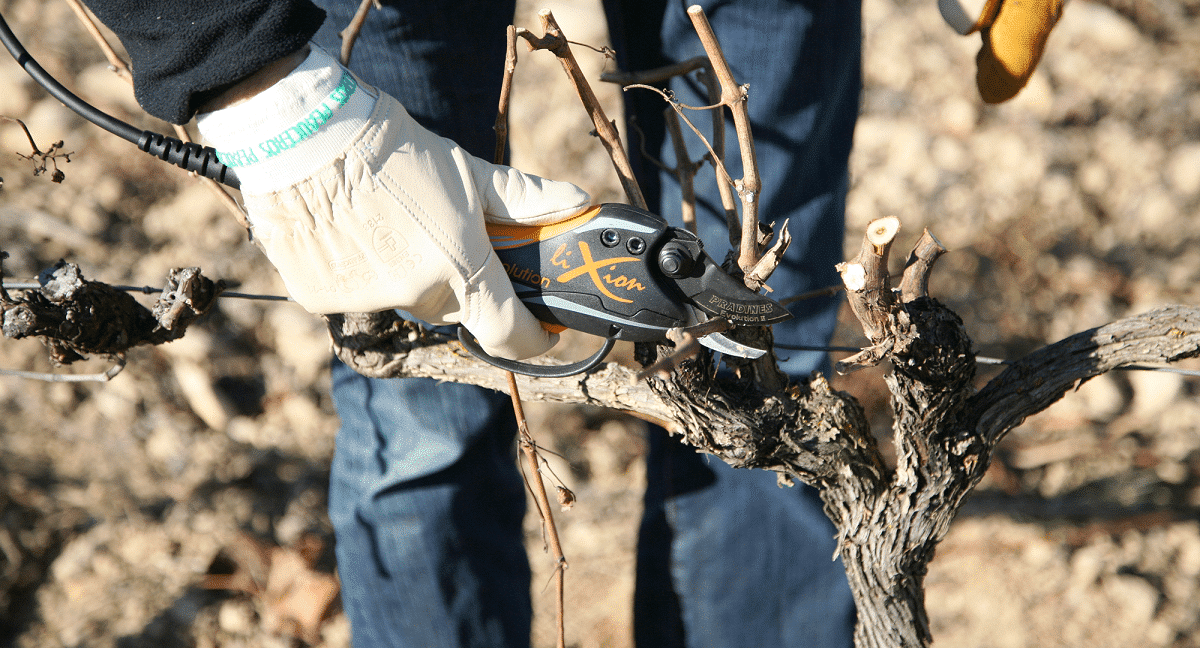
{"x": 750, "y": 563}
{"x": 425, "y": 498}
{"x": 726, "y": 557}
{"x": 427, "y": 509}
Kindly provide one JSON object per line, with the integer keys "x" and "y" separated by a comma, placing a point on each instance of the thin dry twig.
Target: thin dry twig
{"x": 533, "y": 461}
{"x": 554, "y": 41}
{"x": 510, "y": 68}
{"x": 734, "y": 96}
{"x": 117, "y": 64}
{"x": 633, "y": 125}
{"x": 716, "y": 153}
{"x": 350, "y": 34}
{"x": 657, "y": 75}
{"x": 679, "y": 108}
{"x": 703, "y": 67}
{"x": 608, "y": 52}
{"x": 685, "y": 171}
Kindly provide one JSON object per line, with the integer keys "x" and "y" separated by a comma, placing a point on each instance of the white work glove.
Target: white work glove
{"x": 360, "y": 209}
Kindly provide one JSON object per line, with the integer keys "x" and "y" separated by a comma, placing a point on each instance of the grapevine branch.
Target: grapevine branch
{"x": 734, "y": 97}
{"x": 77, "y": 318}
{"x": 686, "y": 172}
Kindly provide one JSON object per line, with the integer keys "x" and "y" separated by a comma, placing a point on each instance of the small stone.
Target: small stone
{"x": 235, "y": 617}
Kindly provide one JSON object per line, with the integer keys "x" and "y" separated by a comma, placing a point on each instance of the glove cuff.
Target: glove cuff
{"x": 290, "y": 130}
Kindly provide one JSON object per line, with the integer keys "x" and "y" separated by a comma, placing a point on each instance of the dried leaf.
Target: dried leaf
{"x": 298, "y": 598}
{"x": 566, "y": 498}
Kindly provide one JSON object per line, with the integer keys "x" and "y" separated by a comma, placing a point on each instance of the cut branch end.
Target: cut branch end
{"x": 854, "y": 276}
{"x": 918, "y": 268}
{"x": 881, "y": 232}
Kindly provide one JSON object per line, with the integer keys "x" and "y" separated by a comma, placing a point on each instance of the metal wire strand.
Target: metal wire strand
{"x": 150, "y": 290}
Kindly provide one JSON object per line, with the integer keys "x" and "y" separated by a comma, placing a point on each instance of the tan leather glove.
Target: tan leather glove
{"x": 361, "y": 209}
{"x": 1014, "y": 38}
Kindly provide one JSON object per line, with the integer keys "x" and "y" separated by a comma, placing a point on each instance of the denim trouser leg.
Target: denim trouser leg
{"x": 428, "y": 508}
{"x": 726, "y": 557}
{"x": 425, "y": 497}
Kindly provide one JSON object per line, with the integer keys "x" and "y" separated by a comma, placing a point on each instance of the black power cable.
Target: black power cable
{"x": 185, "y": 155}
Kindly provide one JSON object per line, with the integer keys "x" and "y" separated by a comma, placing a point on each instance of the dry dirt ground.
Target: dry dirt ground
{"x": 205, "y": 462}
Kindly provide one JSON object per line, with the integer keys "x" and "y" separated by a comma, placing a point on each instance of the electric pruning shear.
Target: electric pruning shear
{"x": 621, "y": 273}
{"x": 614, "y": 271}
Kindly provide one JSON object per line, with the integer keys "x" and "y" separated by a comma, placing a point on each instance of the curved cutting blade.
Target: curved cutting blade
{"x": 718, "y": 294}
{"x": 721, "y": 344}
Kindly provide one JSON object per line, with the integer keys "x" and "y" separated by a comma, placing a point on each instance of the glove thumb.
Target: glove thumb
{"x": 513, "y": 197}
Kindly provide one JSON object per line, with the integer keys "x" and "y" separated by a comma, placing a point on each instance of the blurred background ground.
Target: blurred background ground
{"x": 206, "y": 460}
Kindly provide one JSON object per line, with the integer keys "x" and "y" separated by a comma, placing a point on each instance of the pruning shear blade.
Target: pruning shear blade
{"x": 720, "y": 343}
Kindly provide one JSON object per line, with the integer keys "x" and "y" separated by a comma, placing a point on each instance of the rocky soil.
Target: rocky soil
{"x": 181, "y": 504}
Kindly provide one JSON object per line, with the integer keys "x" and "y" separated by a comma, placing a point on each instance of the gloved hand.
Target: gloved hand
{"x": 361, "y": 209}
{"x": 1014, "y": 37}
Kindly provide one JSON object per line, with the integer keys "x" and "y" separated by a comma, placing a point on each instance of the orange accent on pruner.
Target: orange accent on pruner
{"x": 591, "y": 268}
{"x": 504, "y": 237}
{"x": 553, "y": 328}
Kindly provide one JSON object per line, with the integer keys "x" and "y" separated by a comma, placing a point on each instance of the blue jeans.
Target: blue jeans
{"x": 425, "y": 497}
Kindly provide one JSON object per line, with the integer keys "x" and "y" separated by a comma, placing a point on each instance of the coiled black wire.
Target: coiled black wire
{"x": 186, "y": 155}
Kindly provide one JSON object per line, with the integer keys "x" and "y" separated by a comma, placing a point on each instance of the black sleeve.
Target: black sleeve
{"x": 185, "y": 51}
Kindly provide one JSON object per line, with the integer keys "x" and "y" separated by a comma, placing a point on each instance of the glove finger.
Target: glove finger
{"x": 498, "y": 320}
{"x": 1012, "y": 46}
{"x": 510, "y": 196}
